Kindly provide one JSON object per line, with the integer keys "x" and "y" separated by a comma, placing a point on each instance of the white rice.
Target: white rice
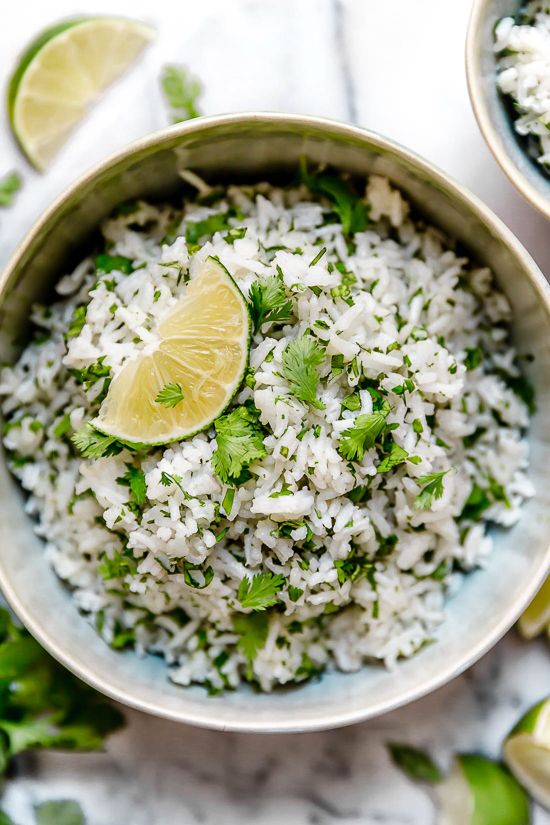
{"x": 410, "y": 307}
{"x": 523, "y": 48}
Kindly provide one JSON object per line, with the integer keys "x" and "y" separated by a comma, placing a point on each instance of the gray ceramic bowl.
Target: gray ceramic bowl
{"x": 490, "y": 601}
{"x": 491, "y": 111}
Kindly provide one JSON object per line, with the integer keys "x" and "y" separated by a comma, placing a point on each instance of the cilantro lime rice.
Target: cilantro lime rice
{"x": 322, "y": 519}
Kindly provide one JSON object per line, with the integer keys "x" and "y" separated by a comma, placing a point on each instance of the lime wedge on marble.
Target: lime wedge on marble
{"x": 527, "y": 752}
{"x": 62, "y": 73}
{"x": 479, "y": 791}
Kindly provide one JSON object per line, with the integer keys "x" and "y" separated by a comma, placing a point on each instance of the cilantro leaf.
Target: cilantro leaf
{"x": 269, "y": 302}
{"x": 93, "y": 444}
{"x": 77, "y": 322}
{"x": 9, "y": 185}
{"x": 118, "y": 565}
{"x": 182, "y": 92}
{"x": 134, "y": 478}
{"x": 240, "y": 441}
{"x": 170, "y": 395}
{"x": 261, "y": 591}
{"x": 432, "y": 489}
{"x": 397, "y": 455}
{"x": 59, "y": 812}
{"x": 416, "y": 764}
{"x": 195, "y": 230}
{"x": 362, "y": 436}
{"x": 89, "y": 375}
{"x": 351, "y": 210}
{"x": 114, "y": 263}
{"x": 205, "y": 576}
{"x": 301, "y": 358}
{"x": 252, "y": 629}
{"x": 5, "y": 819}
{"x": 235, "y": 234}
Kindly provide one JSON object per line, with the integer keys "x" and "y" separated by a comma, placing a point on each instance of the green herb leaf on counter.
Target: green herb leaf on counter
{"x": 182, "y": 92}
{"x": 170, "y": 395}
{"x": 59, "y": 812}
{"x": 260, "y": 591}
{"x": 301, "y": 358}
{"x": 269, "y": 301}
{"x": 356, "y": 440}
{"x": 416, "y": 764}
{"x": 240, "y": 441}
{"x": 10, "y": 184}
{"x": 432, "y": 488}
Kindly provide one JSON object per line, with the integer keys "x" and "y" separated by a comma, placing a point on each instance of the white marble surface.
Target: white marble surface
{"x": 396, "y": 67}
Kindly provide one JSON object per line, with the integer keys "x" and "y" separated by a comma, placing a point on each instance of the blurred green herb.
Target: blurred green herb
{"x": 182, "y": 92}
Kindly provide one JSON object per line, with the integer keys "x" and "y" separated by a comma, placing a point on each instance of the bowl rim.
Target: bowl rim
{"x": 478, "y": 101}
{"x": 340, "y": 717}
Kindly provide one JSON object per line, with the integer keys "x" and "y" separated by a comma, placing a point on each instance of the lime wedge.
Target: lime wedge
{"x": 527, "y": 752}
{"x": 479, "y": 791}
{"x": 62, "y": 72}
{"x": 537, "y": 616}
{"x": 180, "y": 384}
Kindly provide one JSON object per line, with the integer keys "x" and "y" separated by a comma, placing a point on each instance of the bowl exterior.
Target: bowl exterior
{"x": 259, "y": 146}
{"x": 491, "y": 112}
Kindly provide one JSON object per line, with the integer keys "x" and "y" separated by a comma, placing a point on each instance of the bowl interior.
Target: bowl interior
{"x": 493, "y": 112}
{"x": 488, "y": 603}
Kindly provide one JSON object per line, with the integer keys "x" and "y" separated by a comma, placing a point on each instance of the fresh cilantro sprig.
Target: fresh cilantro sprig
{"x": 269, "y": 301}
{"x": 356, "y": 440}
{"x": 351, "y": 210}
{"x": 301, "y": 358}
{"x": 43, "y": 705}
{"x": 239, "y": 440}
{"x": 10, "y": 184}
{"x": 182, "y": 92}
{"x": 170, "y": 395}
{"x": 93, "y": 444}
{"x": 432, "y": 488}
{"x": 260, "y": 591}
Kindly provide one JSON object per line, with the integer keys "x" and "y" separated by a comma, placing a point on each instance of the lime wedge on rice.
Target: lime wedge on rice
{"x": 182, "y": 382}
{"x": 527, "y": 752}
{"x": 479, "y": 791}
{"x": 62, "y": 72}
{"x": 537, "y": 616}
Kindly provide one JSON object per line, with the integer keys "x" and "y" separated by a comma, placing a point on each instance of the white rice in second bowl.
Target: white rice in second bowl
{"x": 363, "y": 551}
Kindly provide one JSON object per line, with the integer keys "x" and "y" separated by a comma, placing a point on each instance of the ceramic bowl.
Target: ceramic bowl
{"x": 493, "y": 111}
{"x": 259, "y": 146}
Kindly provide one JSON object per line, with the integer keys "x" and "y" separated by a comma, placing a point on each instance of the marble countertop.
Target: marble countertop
{"x": 395, "y": 67}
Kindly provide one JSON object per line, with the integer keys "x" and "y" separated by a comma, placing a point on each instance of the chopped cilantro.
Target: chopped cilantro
{"x": 416, "y": 764}
{"x": 228, "y": 499}
{"x": 351, "y": 210}
{"x": 284, "y": 491}
{"x": 318, "y": 257}
{"x": 188, "y": 569}
{"x": 294, "y": 593}
{"x": 62, "y": 427}
{"x": 77, "y": 322}
{"x": 182, "y": 92}
{"x": 170, "y": 395}
{"x": 235, "y": 234}
{"x": 118, "y": 565}
{"x": 397, "y": 455}
{"x": 166, "y": 480}
{"x": 432, "y": 488}
{"x": 240, "y": 441}
{"x": 352, "y": 402}
{"x": 93, "y": 444}
{"x": 470, "y": 440}
{"x": 476, "y": 503}
{"x": 417, "y": 426}
{"x": 195, "y": 230}
{"x": 89, "y": 375}
{"x": 114, "y": 263}
{"x": 252, "y": 629}
{"x": 301, "y": 358}
{"x": 356, "y": 440}
{"x": 134, "y": 478}
{"x": 269, "y": 302}
{"x": 261, "y": 591}
{"x": 473, "y": 358}
{"x": 10, "y": 184}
